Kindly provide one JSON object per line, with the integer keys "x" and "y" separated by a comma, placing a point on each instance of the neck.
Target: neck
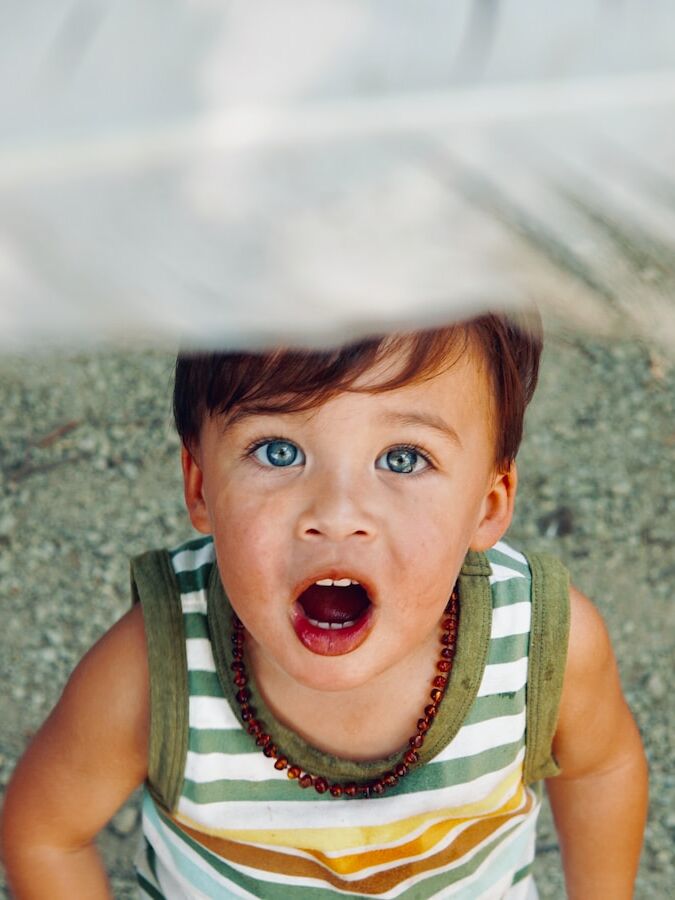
{"x": 370, "y": 721}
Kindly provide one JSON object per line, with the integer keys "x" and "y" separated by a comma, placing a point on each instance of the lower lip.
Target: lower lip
{"x": 334, "y": 641}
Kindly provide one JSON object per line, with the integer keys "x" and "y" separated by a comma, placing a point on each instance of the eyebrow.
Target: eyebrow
{"x": 427, "y": 419}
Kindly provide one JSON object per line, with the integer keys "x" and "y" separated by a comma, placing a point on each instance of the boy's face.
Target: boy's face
{"x": 387, "y": 489}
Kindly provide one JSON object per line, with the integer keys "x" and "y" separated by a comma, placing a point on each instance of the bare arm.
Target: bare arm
{"x": 87, "y": 758}
{"x": 599, "y": 800}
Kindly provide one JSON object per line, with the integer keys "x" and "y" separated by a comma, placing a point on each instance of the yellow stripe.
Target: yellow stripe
{"x": 288, "y": 867}
{"x": 422, "y": 845}
{"x": 371, "y": 837}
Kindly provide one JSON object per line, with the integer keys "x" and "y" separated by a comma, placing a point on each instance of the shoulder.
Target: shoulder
{"x": 105, "y": 705}
{"x": 115, "y": 670}
{"x": 589, "y": 652}
{"x": 593, "y": 713}
{"x": 91, "y": 753}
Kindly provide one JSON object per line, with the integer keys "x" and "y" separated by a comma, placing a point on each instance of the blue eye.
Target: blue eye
{"x": 279, "y": 454}
{"x": 402, "y": 460}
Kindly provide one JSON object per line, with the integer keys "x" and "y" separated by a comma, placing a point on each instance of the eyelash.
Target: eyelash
{"x": 415, "y": 448}
{"x": 260, "y": 442}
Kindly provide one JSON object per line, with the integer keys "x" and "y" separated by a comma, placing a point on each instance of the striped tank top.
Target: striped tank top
{"x": 220, "y": 821}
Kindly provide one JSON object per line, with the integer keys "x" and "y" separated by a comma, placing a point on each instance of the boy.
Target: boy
{"x": 351, "y": 687}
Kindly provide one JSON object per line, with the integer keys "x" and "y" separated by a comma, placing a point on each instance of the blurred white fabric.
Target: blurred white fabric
{"x": 263, "y": 171}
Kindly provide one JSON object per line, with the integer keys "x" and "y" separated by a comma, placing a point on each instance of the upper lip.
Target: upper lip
{"x": 336, "y": 572}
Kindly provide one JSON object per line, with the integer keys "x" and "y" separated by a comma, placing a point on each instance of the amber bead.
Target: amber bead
{"x": 320, "y": 785}
{"x": 436, "y": 694}
{"x": 270, "y": 750}
{"x": 447, "y": 653}
{"x": 294, "y": 772}
{"x": 446, "y": 639}
{"x": 243, "y": 695}
{"x": 254, "y": 727}
{"x": 390, "y": 779}
{"x": 377, "y": 787}
{"x": 336, "y": 790}
{"x": 281, "y": 763}
{"x": 416, "y": 741}
{"x": 430, "y": 711}
{"x": 440, "y": 681}
{"x": 240, "y": 679}
{"x": 443, "y": 665}
{"x": 422, "y": 726}
{"x": 351, "y": 789}
{"x": 263, "y": 739}
{"x": 238, "y": 654}
{"x": 238, "y": 666}
{"x": 411, "y": 757}
{"x": 305, "y": 780}
{"x": 401, "y": 770}
{"x": 247, "y": 712}
{"x": 448, "y": 624}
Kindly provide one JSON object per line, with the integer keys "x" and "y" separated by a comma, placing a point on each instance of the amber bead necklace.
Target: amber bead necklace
{"x": 410, "y": 755}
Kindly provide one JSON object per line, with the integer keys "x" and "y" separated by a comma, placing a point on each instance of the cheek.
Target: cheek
{"x": 433, "y": 543}
{"x": 250, "y": 533}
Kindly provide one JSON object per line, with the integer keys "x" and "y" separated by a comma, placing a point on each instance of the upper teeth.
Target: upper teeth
{"x": 339, "y": 582}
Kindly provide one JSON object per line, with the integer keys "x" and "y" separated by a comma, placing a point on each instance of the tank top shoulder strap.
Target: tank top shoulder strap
{"x": 154, "y": 585}
{"x": 549, "y": 634}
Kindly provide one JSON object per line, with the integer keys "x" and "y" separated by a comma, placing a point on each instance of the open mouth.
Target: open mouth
{"x": 332, "y": 616}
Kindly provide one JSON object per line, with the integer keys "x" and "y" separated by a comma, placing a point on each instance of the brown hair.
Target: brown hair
{"x": 286, "y": 380}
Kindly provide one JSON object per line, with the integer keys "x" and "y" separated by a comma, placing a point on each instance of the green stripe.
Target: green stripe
{"x": 221, "y": 740}
{"x": 193, "y": 544}
{"x": 506, "y": 593}
{"x": 204, "y": 684}
{"x": 501, "y": 559}
{"x": 522, "y": 873}
{"x": 149, "y": 889}
{"x": 195, "y": 579}
{"x": 151, "y": 857}
{"x": 196, "y": 625}
{"x": 431, "y": 777}
{"x": 496, "y": 705}
{"x": 508, "y": 649}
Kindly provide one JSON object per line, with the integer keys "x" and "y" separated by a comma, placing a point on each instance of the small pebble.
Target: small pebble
{"x": 124, "y": 822}
{"x": 657, "y": 687}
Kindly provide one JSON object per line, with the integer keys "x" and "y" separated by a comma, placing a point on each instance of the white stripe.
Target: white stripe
{"x": 513, "y": 619}
{"x": 174, "y": 885}
{"x": 502, "y": 678}
{"x": 504, "y": 548}
{"x": 194, "y": 601}
{"x": 474, "y": 739}
{"x": 189, "y": 560}
{"x": 352, "y": 813}
{"x": 502, "y": 573}
{"x": 205, "y": 767}
{"x": 200, "y": 654}
{"x": 212, "y": 712}
{"x": 515, "y": 823}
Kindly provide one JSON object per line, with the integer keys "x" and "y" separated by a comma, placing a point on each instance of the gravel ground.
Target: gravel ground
{"x": 89, "y": 475}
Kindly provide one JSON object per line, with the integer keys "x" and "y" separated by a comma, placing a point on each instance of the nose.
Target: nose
{"x": 335, "y": 510}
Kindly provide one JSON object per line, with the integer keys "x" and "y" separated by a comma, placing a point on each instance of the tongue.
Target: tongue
{"x": 334, "y": 604}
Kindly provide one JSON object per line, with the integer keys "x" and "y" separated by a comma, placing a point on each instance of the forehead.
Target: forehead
{"x": 455, "y": 395}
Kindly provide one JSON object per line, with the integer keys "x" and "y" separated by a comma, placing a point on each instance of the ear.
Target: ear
{"x": 194, "y": 493}
{"x": 497, "y": 509}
